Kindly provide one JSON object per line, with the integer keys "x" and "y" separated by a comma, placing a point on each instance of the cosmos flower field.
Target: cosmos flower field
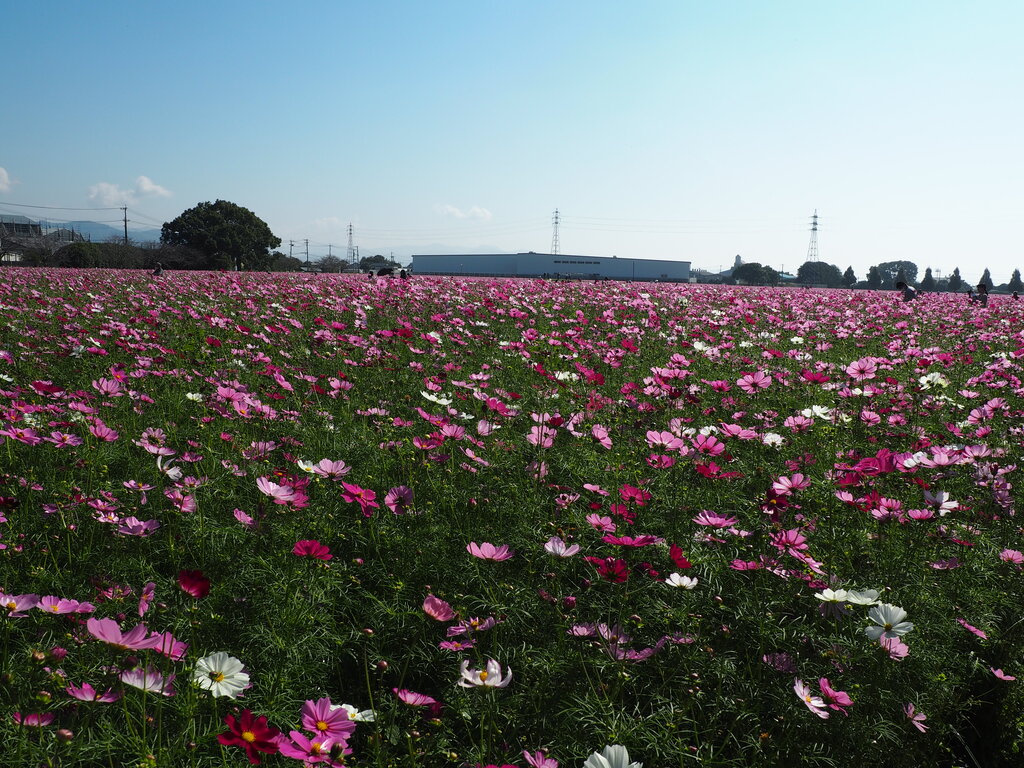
{"x": 296, "y": 519}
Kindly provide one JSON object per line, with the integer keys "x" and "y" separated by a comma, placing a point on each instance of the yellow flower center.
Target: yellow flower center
{"x": 887, "y": 627}
{"x": 249, "y": 736}
{"x": 321, "y": 725}
{"x": 217, "y": 677}
{"x": 54, "y": 608}
{"x": 483, "y": 677}
{"x": 11, "y": 605}
{"x": 315, "y": 748}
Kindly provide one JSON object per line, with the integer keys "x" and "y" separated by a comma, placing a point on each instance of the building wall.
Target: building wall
{"x": 552, "y": 265}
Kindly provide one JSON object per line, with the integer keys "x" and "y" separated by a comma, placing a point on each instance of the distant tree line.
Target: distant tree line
{"x": 880, "y": 277}
{"x": 209, "y": 236}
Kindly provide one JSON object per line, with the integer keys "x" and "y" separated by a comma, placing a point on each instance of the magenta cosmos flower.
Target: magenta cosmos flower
{"x": 814, "y": 703}
{"x": 86, "y": 692}
{"x": 487, "y": 551}
{"x": 251, "y": 734}
{"x": 313, "y": 750}
{"x": 318, "y": 717}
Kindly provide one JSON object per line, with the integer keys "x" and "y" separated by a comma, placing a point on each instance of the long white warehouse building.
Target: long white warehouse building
{"x": 550, "y": 265}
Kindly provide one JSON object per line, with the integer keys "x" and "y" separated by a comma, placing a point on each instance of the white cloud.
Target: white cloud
{"x": 5, "y": 181}
{"x": 476, "y": 212}
{"x": 145, "y": 186}
{"x": 106, "y": 194}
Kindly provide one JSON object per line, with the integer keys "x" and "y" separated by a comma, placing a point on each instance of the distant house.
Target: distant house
{"x": 19, "y": 234}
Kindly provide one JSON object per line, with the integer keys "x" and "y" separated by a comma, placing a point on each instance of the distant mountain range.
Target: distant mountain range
{"x": 98, "y": 232}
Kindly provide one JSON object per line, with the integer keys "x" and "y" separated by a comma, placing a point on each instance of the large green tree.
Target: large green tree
{"x": 986, "y": 279}
{"x": 821, "y": 273}
{"x": 928, "y": 283}
{"x": 849, "y": 278}
{"x": 888, "y": 271}
{"x": 1015, "y": 284}
{"x": 955, "y": 282}
{"x": 227, "y": 235}
{"x": 874, "y": 279}
{"x": 755, "y": 274}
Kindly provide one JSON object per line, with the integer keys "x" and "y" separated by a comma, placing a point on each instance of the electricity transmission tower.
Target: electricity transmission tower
{"x": 812, "y": 246}
{"x": 350, "y": 255}
{"x": 554, "y": 233}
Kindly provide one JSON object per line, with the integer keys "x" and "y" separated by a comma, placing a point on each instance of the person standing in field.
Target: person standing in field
{"x": 909, "y": 292}
{"x": 982, "y": 297}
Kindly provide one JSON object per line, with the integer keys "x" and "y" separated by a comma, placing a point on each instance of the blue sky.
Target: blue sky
{"x": 674, "y": 130}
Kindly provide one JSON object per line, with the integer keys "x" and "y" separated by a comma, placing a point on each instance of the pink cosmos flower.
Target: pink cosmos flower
{"x": 896, "y": 648}
{"x": 86, "y": 692}
{"x": 837, "y": 700}
{"x": 319, "y": 718}
{"x": 54, "y": 604}
{"x": 414, "y": 699}
{"x": 132, "y": 526}
{"x": 437, "y": 609}
{"x": 862, "y": 370}
{"x": 313, "y": 750}
{"x": 972, "y": 630}
{"x": 331, "y": 470}
{"x": 244, "y": 518}
{"x": 600, "y": 433}
{"x": 916, "y": 718}
{"x": 487, "y": 551}
{"x": 166, "y": 644}
{"x": 136, "y": 639}
{"x": 364, "y": 496}
{"x": 194, "y": 583}
{"x": 714, "y": 520}
{"x": 752, "y": 382}
{"x": 1012, "y": 556}
{"x": 814, "y": 703}
{"x": 1002, "y": 675}
{"x": 17, "y": 605}
{"x": 33, "y": 720}
{"x": 281, "y": 494}
{"x": 539, "y": 759}
{"x": 644, "y": 540}
{"x": 146, "y": 598}
{"x": 398, "y": 499}
{"x": 555, "y": 546}
{"x": 311, "y": 548}
{"x": 601, "y": 523}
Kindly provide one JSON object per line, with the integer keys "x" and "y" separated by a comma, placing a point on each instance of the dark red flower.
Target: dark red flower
{"x": 312, "y": 548}
{"x": 251, "y": 734}
{"x": 194, "y": 583}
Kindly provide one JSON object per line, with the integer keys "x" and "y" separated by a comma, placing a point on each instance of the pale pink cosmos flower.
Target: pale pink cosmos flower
{"x": 146, "y": 598}
{"x": 539, "y": 759}
{"x": 896, "y": 648}
{"x": 281, "y": 494}
{"x": 132, "y": 526}
{"x": 331, "y": 469}
{"x": 555, "y": 546}
{"x": 752, "y": 382}
{"x": 414, "y": 699}
{"x": 786, "y": 485}
{"x": 33, "y": 720}
{"x": 54, "y": 604}
{"x": 242, "y": 517}
{"x": 487, "y": 551}
{"x": 862, "y": 370}
{"x": 600, "y": 433}
{"x": 148, "y": 679}
{"x": 17, "y": 605}
{"x": 814, "y": 703}
{"x": 1002, "y": 675}
{"x": 714, "y": 520}
{"x": 972, "y": 630}
{"x": 136, "y": 639}
{"x": 1012, "y": 556}
{"x": 916, "y": 718}
{"x": 601, "y": 523}
{"x": 438, "y": 609}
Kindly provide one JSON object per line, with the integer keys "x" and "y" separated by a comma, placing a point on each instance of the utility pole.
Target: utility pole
{"x": 291, "y": 244}
{"x": 307, "y": 252}
{"x": 350, "y": 255}
{"x": 124, "y": 209}
{"x": 554, "y": 233}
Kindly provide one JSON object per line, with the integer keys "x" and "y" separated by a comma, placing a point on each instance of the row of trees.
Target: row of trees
{"x": 882, "y": 276}
{"x": 210, "y": 236}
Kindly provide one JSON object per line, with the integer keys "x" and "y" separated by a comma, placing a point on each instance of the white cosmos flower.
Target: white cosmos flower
{"x": 435, "y": 399}
{"x": 613, "y": 756}
{"x": 195, "y": 397}
{"x": 221, "y": 675}
{"x": 889, "y": 622}
{"x": 862, "y": 596}
{"x": 489, "y": 677}
{"x": 356, "y": 715}
{"x": 832, "y": 595}
{"x": 686, "y": 582}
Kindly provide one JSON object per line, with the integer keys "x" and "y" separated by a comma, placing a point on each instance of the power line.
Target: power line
{"x": 61, "y": 208}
